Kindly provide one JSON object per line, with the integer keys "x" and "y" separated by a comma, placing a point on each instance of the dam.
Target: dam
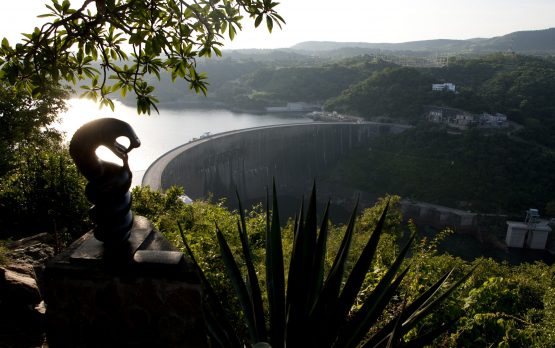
{"x": 247, "y": 160}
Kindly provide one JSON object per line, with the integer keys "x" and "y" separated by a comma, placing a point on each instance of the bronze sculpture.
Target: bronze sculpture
{"x": 109, "y": 183}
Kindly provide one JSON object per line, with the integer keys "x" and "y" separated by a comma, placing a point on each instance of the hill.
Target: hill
{"x": 524, "y": 42}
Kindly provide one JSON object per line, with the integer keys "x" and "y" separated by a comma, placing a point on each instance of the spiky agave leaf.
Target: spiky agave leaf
{"x": 219, "y": 327}
{"x": 321, "y": 316}
{"x": 426, "y": 339}
{"x": 238, "y": 284}
{"x": 275, "y": 278}
{"x": 356, "y": 278}
{"x": 332, "y": 285}
{"x": 316, "y": 312}
{"x": 320, "y": 258}
{"x": 395, "y": 336}
{"x": 432, "y": 303}
{"x": 419, "y": 308}
{"x": 356, "y": 328}
{"x": 303, "y": 273}
{"x": 294, "y": 282}
{"x": 252, "y": 285}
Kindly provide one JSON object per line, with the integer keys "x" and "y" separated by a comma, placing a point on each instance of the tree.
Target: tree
{"x": 90, "y": 42}
{"x": 24, "y": 121}
{"x": 40, "y": 187}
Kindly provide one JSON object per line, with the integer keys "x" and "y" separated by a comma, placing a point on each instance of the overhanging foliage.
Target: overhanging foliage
{"x": 130, "y": 39}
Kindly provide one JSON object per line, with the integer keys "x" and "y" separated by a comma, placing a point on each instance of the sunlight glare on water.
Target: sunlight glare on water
{"x": 163, "y": 132}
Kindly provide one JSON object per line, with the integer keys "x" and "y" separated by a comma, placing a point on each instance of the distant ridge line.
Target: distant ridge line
{"x": 531, "y": 41}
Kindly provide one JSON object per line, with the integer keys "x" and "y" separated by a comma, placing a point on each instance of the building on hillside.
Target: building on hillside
{"x": 493, "y": 121}
{"x": 294, "y": 107}
{"x": 450, "y": 87}
{"x": 435, "y": 115}
{"x": 463, "y": 120}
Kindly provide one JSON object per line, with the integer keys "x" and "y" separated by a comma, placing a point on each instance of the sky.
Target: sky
{"x": 354, "y": 20}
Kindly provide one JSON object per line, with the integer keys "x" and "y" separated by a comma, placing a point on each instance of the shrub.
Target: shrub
{"x": 44, "y": 192}
{"x": 308, "y": 307}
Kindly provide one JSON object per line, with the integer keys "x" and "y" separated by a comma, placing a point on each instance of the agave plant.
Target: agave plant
{"x": 313, "y": 308}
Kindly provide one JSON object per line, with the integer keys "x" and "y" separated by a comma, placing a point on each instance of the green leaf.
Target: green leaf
{"x": 427, "y": 339}
{"x": 376, "y": 302}
{"x": 57, "y": 5}
{"x": 256, "y": 294}
{"x": 419, "y": 308}
{"x": 358, "y": 273}
{"x": 307, "y": 240}
{"x": 430, "y": 304}
{"x": 110, "y": 104}
{"x": 217, "y": 323}
{"x": 279, "y": 18}
{"x": 328, "y": 299}
{"x": 231, "y": 32}
{"x": 320, "y": 256}
{"x": 332, "y": 285}
{"x": 238, "y": 283}
{"x": 258, "y": 20}
{"x": 395, "y": 336}
{"x": 269, "y": 23}
{"x": 65, "y": 5}
{"x": 275, "y": 281}
{"x": 295, "y": 281}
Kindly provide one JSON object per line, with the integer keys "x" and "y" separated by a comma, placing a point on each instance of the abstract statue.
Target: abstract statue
{"x": 109, "y": 183}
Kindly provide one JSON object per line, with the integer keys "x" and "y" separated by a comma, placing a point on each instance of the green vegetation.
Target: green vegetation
{"x": 521, "y": 87}
{"x": 4, "y": 259}
{"x": 26, "y": 122}
{"x": 483, "y": 172}
{"x": 44, "y": 193}
{"x": 394, "y": 93}
{"x": 314, "y": 311}
{"x": 499, "y": 305}
{"x": 163, "y": 35}
{"x": 309, "y": 84}
{"x": 487, "y": 165}
{"x": 40, "y": 188}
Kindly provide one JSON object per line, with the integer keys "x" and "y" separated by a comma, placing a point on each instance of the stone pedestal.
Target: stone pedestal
{"x": 145, "y": 293}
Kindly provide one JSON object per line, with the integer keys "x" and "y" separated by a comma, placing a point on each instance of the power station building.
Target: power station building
{"x": 532, "y": 233}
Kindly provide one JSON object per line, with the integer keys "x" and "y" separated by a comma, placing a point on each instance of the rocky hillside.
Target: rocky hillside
{"x": 21, "y": 307}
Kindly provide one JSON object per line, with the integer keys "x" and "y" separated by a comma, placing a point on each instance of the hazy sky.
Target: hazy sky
{"x": 355, "y": 20}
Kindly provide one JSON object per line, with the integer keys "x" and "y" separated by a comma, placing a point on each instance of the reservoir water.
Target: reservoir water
{"x": 162, "y": 132}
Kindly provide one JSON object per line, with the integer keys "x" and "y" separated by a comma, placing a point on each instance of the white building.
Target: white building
{"x": 462, "y": 121}
{"x": 497, "y": 120}
{"x": 294, "y": 107}
{"x": 520, "y": 235}
{"x": 532, "y": 233}
{"x": 435, "y": 116}
{"x": 443, "y": 87}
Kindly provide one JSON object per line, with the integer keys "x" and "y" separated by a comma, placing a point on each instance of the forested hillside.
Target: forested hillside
{"x": 489, "y": 173}
{"x": 506, "y": 170}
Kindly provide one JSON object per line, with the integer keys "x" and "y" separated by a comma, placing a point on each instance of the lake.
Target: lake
{"x": 162, "y": 132}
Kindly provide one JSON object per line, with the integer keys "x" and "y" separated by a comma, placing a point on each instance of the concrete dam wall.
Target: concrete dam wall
{"x": 247, "y": 160}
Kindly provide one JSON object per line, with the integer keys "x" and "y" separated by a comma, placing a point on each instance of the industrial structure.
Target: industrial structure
{"x": 532, "y": 233}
